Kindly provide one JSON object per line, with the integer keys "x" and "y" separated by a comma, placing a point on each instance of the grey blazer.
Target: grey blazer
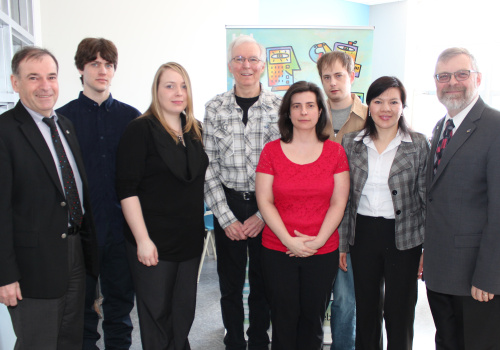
{"x": 407, "y": 185}
{"x": 462, "y": 241}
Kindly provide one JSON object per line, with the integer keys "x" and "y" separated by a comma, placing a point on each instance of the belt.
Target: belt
{"x": 245, "y": 195}
{"x": 74, "y": 230}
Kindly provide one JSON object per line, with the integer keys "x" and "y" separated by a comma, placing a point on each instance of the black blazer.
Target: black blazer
{"x": 33, "y": 212}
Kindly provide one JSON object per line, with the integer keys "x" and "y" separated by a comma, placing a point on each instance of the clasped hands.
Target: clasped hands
{"x": 302, "y": 246}
{"x": 250, "y": 228}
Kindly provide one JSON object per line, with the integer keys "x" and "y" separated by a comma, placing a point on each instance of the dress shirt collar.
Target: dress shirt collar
{"x": 400, "y": 137}
{"x": 91, "y": 103}
{"x": 37, "y": 117}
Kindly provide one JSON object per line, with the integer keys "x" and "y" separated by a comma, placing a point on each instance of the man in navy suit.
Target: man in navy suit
{"x": 462, "y": 237}
{"x": 46, "y": 227}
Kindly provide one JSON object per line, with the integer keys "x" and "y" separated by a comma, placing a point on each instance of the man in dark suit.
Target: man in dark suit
{"x": 47, "y": 236}
{"x": 462, "y": 238}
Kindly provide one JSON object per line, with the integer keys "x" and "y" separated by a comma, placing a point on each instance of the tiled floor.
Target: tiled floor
{"x": 207, "y": 331}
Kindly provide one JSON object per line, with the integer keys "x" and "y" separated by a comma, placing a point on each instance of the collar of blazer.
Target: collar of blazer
{"x": 186, "y": 169}
{"x": 401, "y": 159}
{"x": 461, "y": 135}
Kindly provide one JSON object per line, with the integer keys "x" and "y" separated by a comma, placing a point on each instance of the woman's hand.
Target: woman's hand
{"x": 343, "y": 261}
{"x": 315, "y": 243}
{"x": 147, "y": 253}
{"x": 297, "y": 246}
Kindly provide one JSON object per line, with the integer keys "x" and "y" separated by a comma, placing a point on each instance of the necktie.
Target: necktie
{"x": 70, "y": 189}
{"x": 447, "y": 135}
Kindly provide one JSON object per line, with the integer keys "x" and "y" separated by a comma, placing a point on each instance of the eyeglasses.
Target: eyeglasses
{"x": 253, "y": 61}
{"x": 460, "y": 75}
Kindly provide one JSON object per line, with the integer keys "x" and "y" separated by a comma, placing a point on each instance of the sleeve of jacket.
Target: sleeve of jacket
{"x": 345, "y": 224}
{"x": 486, "y": 273}
{"x": 214, "y": 193}
{"x": 9, "y": 270}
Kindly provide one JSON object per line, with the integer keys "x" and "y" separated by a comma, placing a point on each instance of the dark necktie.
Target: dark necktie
{"x": 70, "y": 189}
{"x": 447, "y": 135}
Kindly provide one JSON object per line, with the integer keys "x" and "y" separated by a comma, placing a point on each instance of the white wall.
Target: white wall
{"x": 389, "y": 42}
{"x": 147, "y": 34}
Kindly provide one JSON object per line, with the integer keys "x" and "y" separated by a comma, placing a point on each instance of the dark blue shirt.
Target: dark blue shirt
{"x": 99, "y": 129}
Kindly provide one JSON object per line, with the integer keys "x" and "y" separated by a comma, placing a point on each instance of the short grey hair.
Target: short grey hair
{"x": 242, "y": 39}
{"x": 455, "y": 51}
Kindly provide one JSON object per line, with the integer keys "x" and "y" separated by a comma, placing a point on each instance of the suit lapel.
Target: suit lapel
{"x": 401, "y": 159}
{"x": 464, "y": 131}
{"x": 30, "y": 130}
{"x": 430, "y": 164}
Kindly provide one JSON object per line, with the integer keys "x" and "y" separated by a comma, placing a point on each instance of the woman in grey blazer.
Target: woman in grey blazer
{"x": 383, "y": 225}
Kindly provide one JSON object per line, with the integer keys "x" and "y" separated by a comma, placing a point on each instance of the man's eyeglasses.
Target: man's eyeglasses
{"x": 460, "y": 75}
{"x": 253, "y": 61}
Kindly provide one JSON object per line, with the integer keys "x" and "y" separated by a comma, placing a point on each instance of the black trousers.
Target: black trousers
{"x": 385, "y": 284}
{"x": 166, "y": 301}
{"x": 299, "y": 291}
{"x": 117, "y": 289}
{"x": 231, "y": 267}
{"x": 463, "y": 323}
{"x": 50, "y": 324}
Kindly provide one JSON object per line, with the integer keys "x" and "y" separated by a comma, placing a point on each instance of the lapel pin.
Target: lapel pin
{"x": 67, "y": 132}
{"x": 469, "y": 130}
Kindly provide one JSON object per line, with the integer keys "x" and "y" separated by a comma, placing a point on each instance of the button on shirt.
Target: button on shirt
{"x": 376, "y": 198}
{"x": 99, "y": 129}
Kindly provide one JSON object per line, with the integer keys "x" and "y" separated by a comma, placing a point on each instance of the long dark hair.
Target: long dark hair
{"x": 285, "y": 124}
{"x": 377, "y": 88}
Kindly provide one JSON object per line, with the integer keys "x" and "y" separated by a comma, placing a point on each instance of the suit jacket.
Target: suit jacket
{"x": 33, "y": 210}
{"x": 462, "y": 242}
{"x": 406, "y": 182}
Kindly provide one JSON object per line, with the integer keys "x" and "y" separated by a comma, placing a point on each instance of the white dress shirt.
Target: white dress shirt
{"x": 376, "y": 199}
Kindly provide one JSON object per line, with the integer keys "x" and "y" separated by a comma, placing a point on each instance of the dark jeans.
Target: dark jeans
{"x": 231, "y": 267}
{"x": 299, "y": 291}
{"x": 118, "y": 292}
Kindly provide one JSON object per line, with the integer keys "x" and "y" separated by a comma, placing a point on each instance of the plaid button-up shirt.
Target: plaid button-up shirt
{"x": 233, "y": 148}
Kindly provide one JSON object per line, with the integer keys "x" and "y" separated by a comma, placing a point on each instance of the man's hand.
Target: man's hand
{"x": 10, "y": 293}
{"x": 421, "y": 267}
{"x": 235, "y": 231}
{"x": 481, "y": 295}
{"x": 343, "y": 261}
{"x": 253, "y": 226}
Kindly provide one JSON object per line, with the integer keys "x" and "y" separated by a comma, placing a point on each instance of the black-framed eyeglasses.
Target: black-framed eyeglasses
{"x": 460, "y": 75}
{"x": 253, "y": 61}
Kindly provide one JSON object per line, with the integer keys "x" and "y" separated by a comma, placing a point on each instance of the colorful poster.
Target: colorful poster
{"x": 292, "y": 53}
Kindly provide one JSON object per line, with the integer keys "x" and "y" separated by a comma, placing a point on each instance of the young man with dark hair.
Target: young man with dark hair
{"x": 99, "y": 122}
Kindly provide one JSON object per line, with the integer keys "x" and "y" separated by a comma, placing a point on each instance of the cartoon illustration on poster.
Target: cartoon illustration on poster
{"x": 292, "y": 53}
{"x": 281, "y": 62}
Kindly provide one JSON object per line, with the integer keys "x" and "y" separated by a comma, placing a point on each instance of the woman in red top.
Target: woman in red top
{"x": 302, "y": 186}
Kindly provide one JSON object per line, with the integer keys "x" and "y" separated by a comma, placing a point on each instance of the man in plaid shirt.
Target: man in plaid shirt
{"x": 238, "y": 123}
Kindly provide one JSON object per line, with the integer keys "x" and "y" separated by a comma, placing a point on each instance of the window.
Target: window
{"x": 16, "y": 31}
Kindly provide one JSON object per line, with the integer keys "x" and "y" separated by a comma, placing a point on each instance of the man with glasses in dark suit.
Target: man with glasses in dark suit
{"x": 462, "y": 237}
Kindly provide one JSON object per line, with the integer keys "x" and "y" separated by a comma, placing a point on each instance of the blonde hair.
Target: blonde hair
{"x": 192, "y": 126}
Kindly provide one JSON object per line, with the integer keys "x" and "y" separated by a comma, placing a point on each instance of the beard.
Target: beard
{"x": 458, "y": 103}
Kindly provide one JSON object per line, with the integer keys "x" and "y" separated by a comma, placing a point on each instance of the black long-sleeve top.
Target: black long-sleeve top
{"x": 168, "y": 178}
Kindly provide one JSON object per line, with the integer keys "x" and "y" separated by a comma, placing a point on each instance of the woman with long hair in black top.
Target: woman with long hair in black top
{"x": 160, "y": 173}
